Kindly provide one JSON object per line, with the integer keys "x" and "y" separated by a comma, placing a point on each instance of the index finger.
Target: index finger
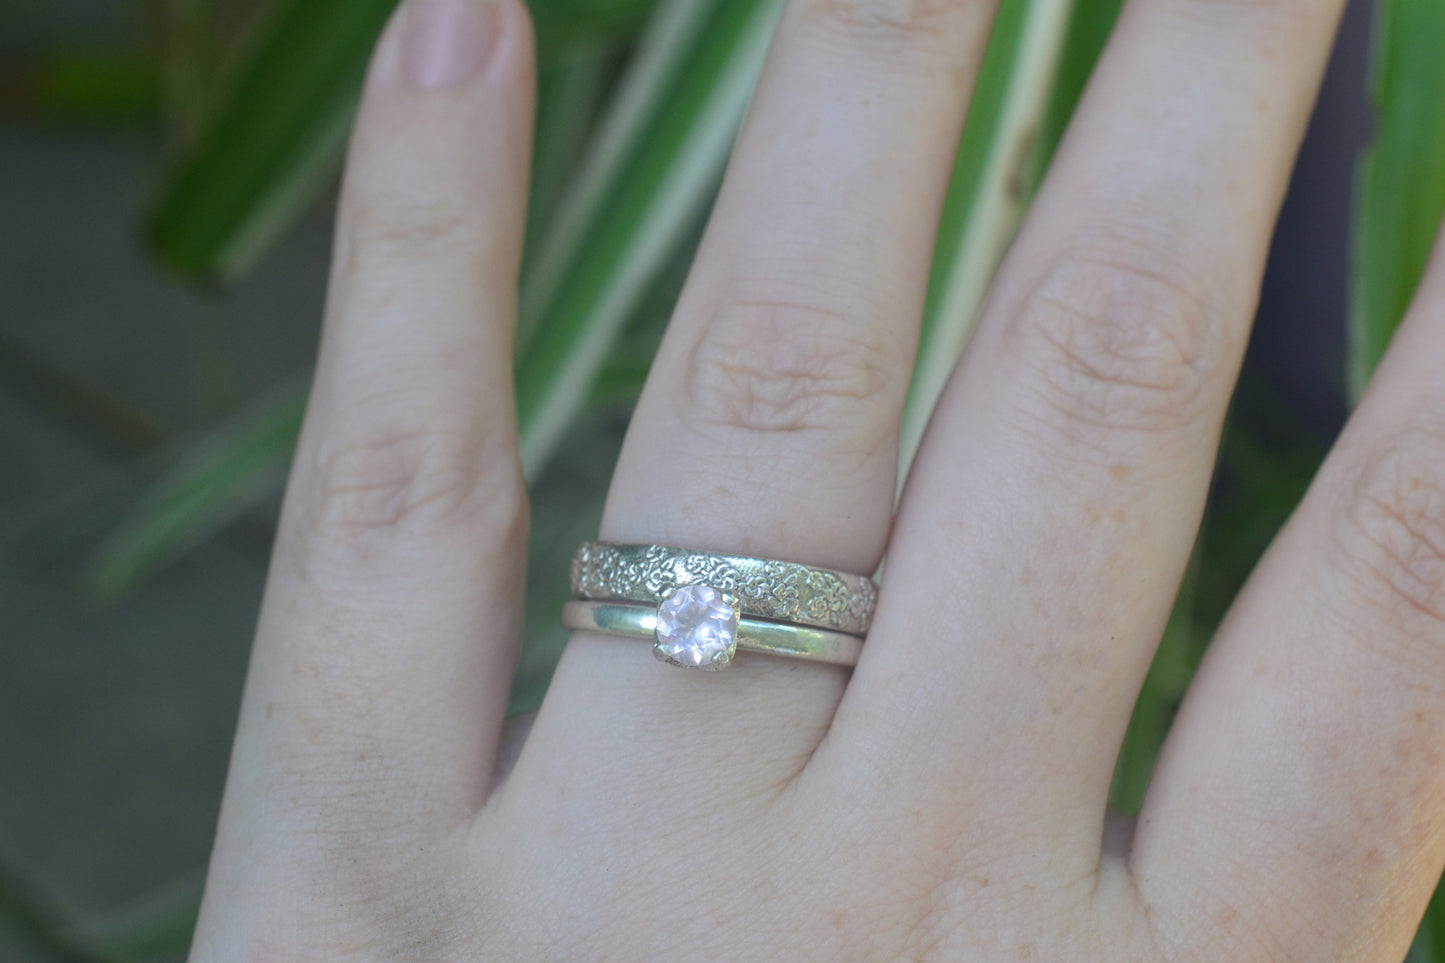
{"x": 383, "y": 656}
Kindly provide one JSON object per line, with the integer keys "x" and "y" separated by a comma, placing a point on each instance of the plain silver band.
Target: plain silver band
{"x": 766, "y": 588}
{"x": 754, "y": 635}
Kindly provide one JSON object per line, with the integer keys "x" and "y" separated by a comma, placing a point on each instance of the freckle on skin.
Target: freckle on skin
{"x": 1118, "y": 472}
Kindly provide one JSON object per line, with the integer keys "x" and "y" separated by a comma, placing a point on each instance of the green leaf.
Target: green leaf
{"x": 1038, "y": 61}
{"x": 1429, "y": 945}
{"x": 1174, "y": 663}
{"x": 569, "y": 95}
{"x": 658, "y": 59}
{"x": 565, "y": 26}
{"x": 657, "y": 162}
{"x": 1090, "y": 26}
{"x": 281, "y": 120}
{"x": 1267, "y": 457}
{"x": 1401, "y": 179}
{"x": 987, "y": 195}
{"x": 568, "y": 508}
{"x": 621, "y": 380}
{"x": 187, "y": 62}
{"x": 82, "y": 517}
{"x": 277, "y": 133}
{"x": 228, "y": 472}
{"x": 100, "y": 87}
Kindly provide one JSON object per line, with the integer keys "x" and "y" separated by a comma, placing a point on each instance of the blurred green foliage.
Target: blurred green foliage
{"x": 281, "y": 116}
{"x": 1401, "y": 189}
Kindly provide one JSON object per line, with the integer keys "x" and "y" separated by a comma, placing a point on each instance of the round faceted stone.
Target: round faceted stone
{"x": 697, "y": 626}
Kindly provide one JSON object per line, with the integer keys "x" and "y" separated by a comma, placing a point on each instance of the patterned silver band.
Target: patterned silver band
{"x": 766, "y": 589}
{"x": 631, "y": 620}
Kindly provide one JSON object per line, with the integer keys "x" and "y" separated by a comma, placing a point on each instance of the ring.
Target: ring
{"x": 700, "y": 608}
{"x": 765, "y": 589}
{"x": 633, "y": 620}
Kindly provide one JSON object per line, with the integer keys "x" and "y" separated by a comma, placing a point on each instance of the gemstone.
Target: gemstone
{"x": 697, "y": 626}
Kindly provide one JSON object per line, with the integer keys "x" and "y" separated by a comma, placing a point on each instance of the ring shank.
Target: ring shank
{"x": 636, "y": 621}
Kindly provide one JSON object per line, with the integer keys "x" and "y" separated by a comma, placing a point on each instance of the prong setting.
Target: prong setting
{"x": 697, "y": 627}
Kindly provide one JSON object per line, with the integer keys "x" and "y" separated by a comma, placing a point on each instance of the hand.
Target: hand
{"x": 946, "y": 800}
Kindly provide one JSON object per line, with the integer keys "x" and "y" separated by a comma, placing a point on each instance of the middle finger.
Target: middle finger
{"x": 769, "y": 423}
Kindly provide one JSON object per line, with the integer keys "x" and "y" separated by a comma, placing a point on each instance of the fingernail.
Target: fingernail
{"x": 446, "y": 42}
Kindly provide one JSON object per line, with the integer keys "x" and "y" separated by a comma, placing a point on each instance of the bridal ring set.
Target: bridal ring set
{"x": 700, "y": 608}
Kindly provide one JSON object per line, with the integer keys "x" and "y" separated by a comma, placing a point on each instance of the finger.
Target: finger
{"x": 384, "y": 652}
{"x": 769, "y": 422}
{"x": 1310, "y": 740}
{"x": 1048, "y": 519}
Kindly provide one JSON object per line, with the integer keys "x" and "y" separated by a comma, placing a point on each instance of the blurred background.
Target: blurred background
{"x": 167, "y": 177}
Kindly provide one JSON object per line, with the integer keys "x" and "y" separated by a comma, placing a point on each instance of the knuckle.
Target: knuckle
{"x": 1115, "y": 346}
{"x": 427, "y": 480}
{"x": 1390, "y": 530}
{"x": 379, "y": 232}
{"x": 770, "y": 366}
{"x": 1269, "y": 18}
{"x": 891, "y": 20}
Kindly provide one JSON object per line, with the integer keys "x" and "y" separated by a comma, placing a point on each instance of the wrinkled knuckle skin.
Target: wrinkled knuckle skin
{"x": 1267, "y": 18}
{"x": 378, "y": 233}
{"x": 421, "y": 481}
{"x": 1389, "y": 533}
{"x": 782, "y": 367}
{"x": 1110, "y": 347}
{"x": 890, "y": 21}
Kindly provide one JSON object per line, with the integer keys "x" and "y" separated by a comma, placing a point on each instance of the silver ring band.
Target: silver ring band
{"x": 765, "y": 588}
{"x": 794, "y": 641}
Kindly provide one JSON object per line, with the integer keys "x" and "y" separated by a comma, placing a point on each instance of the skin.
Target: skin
{"x": 947, "y": 799}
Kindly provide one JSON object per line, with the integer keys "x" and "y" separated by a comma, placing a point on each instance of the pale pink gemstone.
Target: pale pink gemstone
{"x": 696, "y": 626}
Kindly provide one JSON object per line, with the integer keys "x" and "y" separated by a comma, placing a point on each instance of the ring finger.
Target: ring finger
{"x": 1058, "y": 491}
